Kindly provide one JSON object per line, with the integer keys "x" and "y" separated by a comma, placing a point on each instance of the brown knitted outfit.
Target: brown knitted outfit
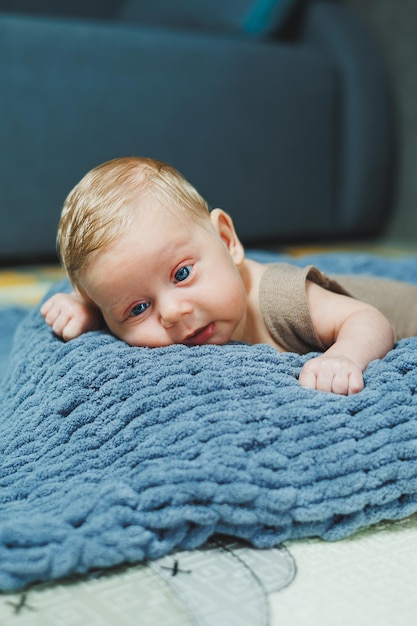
{"x": 283, "y": 302}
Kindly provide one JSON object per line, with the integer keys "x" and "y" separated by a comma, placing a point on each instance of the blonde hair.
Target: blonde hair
{"x": 102, "y": 205}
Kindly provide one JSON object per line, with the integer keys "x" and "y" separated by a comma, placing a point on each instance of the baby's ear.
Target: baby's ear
{"x": 223, "y": 225}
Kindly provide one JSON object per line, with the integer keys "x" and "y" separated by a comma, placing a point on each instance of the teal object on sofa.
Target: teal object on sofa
{"x": 286, "y": 125}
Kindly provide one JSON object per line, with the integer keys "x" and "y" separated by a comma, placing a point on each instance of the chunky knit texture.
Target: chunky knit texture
{"x": 113, "y": 454}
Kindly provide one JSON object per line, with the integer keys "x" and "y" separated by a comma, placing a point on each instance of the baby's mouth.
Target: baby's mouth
{"x": 201, "y": 336}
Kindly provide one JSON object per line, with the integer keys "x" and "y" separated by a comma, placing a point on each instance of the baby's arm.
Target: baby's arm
{"x": 356, "y": 334}
{"x": 71, "y": 315}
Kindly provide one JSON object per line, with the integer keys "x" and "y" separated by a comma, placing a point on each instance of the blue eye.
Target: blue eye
{"x": 183, "y": 273}
{"x": 140, "y": 308}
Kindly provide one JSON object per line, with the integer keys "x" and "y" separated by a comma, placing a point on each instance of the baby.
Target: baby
{"x": 147, "y": 258}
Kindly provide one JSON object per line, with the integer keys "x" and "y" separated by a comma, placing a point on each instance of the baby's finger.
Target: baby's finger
{"x": 340, "y": 382}
{"x": 51, "y": 315}
{"x": 46, "y": 307}
{"x": 60, "y": 323}
{"x": 356, "y": 382}
{"x": 72, "y": 329}
{"x": 308, "y": 376}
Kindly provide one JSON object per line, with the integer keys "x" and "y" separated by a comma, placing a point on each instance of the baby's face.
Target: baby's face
{"x": 169, "y": 280}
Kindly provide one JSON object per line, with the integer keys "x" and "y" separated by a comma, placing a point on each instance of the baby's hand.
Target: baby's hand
{"x": 334, "y": 373}
{"x": 70, "y": 315}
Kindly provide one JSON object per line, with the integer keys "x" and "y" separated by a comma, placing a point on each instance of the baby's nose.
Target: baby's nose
{"x": 173, "y": 310}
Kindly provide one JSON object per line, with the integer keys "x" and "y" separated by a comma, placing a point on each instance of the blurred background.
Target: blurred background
{"x": 298, "y": 117}
{"x": 394, "y": 26}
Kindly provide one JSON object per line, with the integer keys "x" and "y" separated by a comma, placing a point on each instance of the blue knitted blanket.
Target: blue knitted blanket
{"x": 112, "y": 454}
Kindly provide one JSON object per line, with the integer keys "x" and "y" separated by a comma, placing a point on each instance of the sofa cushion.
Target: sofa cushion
{"x": 105, "y": 9}
{"x": 245, "y": 131}
{"x": 213, "y": 15}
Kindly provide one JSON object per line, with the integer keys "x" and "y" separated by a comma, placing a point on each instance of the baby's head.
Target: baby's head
{"x": 103, "y": 204}
{"x": 138, "y": 241}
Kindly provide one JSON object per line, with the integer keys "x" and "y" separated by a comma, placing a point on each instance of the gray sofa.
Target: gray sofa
{"x": 278, "y": 112}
